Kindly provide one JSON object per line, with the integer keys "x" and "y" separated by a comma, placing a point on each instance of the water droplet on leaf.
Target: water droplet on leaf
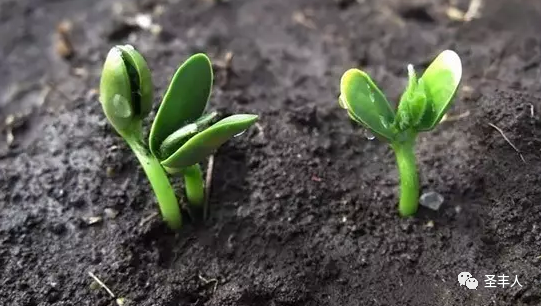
{"x": 121, "y": 106}
{"x": 384, "y": 122}
{"x": 369, "y": 135}
{"x": 371, "y": 94}
{"x": 431, "y": 199}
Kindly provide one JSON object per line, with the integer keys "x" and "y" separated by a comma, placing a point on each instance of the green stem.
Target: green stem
{"x": 409, "y": 180}
{"x": 195, "y": 186}
{"x": 159, "y": 181}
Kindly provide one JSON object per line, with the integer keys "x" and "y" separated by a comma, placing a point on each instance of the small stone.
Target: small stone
{"x": 144, "y": 21}
{"x": 10, "y": 119}
{"x": 406, "y": 227}
{"x": 431, "y": 199}
{"x": 9, "y": 137}
{"x": 92, "y": 94}
{"x": 94, "y": 285}
{"x": 156, "y": 29}
{"x": 109, "y": 171}
{"x": 429, "y": 224}
{"x": 93, "y": 220}
{"x": 110, "y": 213}
{"x": 54, "y": 281}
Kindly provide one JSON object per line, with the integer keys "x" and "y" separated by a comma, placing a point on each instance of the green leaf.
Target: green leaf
{"x": 142, "y": 89}
{"x": 413, "y": 103}
{"x": 205, "y": 143}
{"x": 115, "y": 91}
{"x": 366, "y": 103}
{"x": 441, "y": 80}
{"x": 185, "y": 99}
{"x": 418, "y": 105}
{"x": 125, "y": 89}
{"x": 174, "y": 141}
{"x": 412, "y": 85}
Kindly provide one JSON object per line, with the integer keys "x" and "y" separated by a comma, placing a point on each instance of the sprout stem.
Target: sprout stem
{"x": 195, "y": 186}
{"x": 409, "y": 180}
{"x": 159, "y": 181}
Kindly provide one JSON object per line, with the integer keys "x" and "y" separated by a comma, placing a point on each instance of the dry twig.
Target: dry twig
{"x": 508, "y": 141}
{"x": 97, "y": 280}
{"x": 208, "y": 185}
{"x": 64, "y": 47}
{"x": 449, "y": 118}
{"x": 473, "y": 12}
{"x": 208, "y": 281}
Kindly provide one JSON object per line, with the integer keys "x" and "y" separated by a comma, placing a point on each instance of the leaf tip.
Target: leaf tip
{"x": 201, "y": 57}
{"x": 250, "y": 118}
{"x": 450, "y": 59}
{"x": 346, "y": 77}
{"x": 253, "y": 117}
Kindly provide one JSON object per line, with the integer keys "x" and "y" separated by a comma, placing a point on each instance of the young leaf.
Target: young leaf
{"x": 142, "y": 90}
{"x": 412, "y": 85}
{"x": 366, "y": 103}
{"x": 403, "y": 118}
{"x": 441, "y": 80}
{"x": 204, "y": 143}
{"x": 180, "y": 136}
{"x": 413, "y": 103}
{"x": 185, "y": 99}
{"x": 115, "y": 91}
{"x": 418, "y": 105}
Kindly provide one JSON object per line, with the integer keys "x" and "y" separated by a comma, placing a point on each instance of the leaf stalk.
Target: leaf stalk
{"x": 167, "y": 200}
{"x": 194, "y": 185}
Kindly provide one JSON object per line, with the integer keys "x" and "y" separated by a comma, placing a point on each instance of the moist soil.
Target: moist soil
{"x": 303, "y": 205}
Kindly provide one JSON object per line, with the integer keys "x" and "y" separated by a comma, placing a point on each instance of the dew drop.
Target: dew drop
{"x": 240, "y": 134}
{"x": 342, "y": 102}
{"x": 371, "y": 94}
{"x": 431, "y": 199}
{"x": 369, "y": 135}
{"x": 384, "y": 122}
{"x": 121, "y": 106}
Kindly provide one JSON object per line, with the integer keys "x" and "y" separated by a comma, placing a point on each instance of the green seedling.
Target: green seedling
{"x": 421, "y": 108}
{"x": 181, "y": 135}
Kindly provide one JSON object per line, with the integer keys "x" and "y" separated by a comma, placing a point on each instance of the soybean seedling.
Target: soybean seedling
{"x": 181, "y": 135}
{"x": 421, "y": 108}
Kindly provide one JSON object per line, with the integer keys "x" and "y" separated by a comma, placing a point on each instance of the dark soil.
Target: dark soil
{"x": 303, "y": 206}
